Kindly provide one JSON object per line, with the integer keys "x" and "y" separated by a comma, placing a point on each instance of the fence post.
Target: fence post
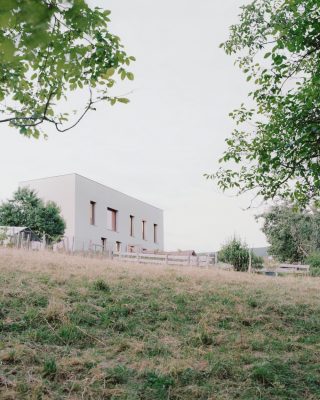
{"x": 198, "y": 261}
{"x": 167, "y": 259}
{"x": 43, "y": 242}
{"x": 207, "y": 261}
{"x": 250, "y": 262}
{"x": 189, "y": 260}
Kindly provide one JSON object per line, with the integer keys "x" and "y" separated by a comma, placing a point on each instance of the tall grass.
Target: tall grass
{"x": 75, "y": 328}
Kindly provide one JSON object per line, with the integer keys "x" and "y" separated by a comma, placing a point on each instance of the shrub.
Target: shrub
{"x": 236, "y": 253}
{"x": 314, "y": 261}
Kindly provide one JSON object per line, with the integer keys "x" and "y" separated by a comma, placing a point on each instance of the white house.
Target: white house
{"x": 98, "y": 217}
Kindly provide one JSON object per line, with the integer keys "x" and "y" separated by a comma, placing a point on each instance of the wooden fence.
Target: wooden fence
{"x": 165, "y": 259}
{"x": 287, "y": 269}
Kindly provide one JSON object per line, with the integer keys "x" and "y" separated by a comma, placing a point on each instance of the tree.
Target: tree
{"x": 27, "y": 209}
{"x": 275, "y": 148}
{"x": 293, "y": 235}
{"x": 50, "y": 47}
{"x": 236, "y": 253}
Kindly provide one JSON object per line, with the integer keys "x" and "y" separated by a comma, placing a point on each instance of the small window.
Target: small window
{"x": 131, "y": 225}
{"x": 131, "y": 249}
{"x": 118, "y": 247}
{"x": 103, "y": 243}
{"x": 155, "y": 233}
{"x": 144, "y": 230}
{"x": 112, "y": 219}
{"x": 92, "y": 212}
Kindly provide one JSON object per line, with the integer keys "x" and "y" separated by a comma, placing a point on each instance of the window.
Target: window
{"x": 131, "y": 225}
{"x": 112, "y": 219}
{"x": 92, "y": 212}
{"x": 155, "y": 233}
{"x": 144, "y": 230}
{"x": 118, "y": 247}
{"x": 103, "y": 243}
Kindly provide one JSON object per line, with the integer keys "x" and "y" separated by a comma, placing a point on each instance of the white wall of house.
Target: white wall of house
{"x": 74, "y": 193}
{"x": 61, "y": 190}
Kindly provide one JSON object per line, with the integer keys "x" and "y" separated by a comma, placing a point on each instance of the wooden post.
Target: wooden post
{"x": 167, "y": 259}
{"x": 207, "y": 261}
{"x": 198, "y": 261}
{"x": 189, "y": 260}
{"x": 250, "y": 262}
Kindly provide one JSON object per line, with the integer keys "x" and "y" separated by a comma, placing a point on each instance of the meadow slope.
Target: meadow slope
{"x": 80, "y": 328}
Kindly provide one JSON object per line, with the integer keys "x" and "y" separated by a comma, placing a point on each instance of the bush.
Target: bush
{"x": 314, "y": 261}
{"x": 236, "y": 253}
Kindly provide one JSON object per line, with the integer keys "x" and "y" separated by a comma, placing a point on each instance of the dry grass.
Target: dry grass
{"x": 82, "y": 328}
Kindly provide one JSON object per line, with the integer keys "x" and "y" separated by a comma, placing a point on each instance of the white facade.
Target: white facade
{"x": 98, "y": 216}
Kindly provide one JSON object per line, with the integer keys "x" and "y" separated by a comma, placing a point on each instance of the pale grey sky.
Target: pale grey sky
{"x": 158, "y": 147}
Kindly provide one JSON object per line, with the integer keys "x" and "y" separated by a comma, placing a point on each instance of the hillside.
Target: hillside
{"x": 79, "y": 328}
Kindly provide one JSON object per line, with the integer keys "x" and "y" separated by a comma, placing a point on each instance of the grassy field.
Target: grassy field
{"x": 76, "y": 328}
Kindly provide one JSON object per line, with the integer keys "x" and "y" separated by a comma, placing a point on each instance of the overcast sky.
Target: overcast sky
{"x": 158, "y": 147}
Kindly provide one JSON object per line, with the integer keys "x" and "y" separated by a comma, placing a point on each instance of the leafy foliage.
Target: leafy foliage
{"x": 236, "y": 253}
{"x": 50, "y": 47}
{"x": 278, "y": 48}
{"x": 292, "y": 234}
{"x": 314, "y": 261}
{"x": 27, "y": 209}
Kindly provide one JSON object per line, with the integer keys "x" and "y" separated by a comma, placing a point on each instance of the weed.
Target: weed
{"x": 101, "y": 285}
{"x": 49, "y": 368}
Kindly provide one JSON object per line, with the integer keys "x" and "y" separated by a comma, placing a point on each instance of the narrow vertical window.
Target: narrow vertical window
{"x": 131, "y": 225}
{"x": 144, "y": 230}
{"x": 112, "y": 219}
{"x": 92, "y": 212}
{"x": 103, "y": 243}
{"x": 118, "y": 247}
{"x": 155, "y": 233}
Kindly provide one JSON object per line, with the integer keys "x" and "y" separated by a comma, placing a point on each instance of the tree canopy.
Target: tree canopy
{"x": 275, "y": 147}
{"x": 27, "y": 209}
{"x": 51, "y": 47}
{"x": 293, "y": 235}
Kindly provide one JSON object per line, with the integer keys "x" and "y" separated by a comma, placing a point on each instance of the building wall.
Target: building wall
{"x": 73, "y": 194}
{"x": 105, "y": 197}
{"x": 61, "y": 190}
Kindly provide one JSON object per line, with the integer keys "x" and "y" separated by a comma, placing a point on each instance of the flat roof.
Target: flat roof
{"x": 84, "y": 177}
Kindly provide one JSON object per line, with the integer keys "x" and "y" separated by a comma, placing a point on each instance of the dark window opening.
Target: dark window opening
{"x": 92, "y": 212}
{"x": 144, "y": 230}
{"x": 155, "y": 233}
{"x": 131, "y": 225}
{"x": 112, "y": 219}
